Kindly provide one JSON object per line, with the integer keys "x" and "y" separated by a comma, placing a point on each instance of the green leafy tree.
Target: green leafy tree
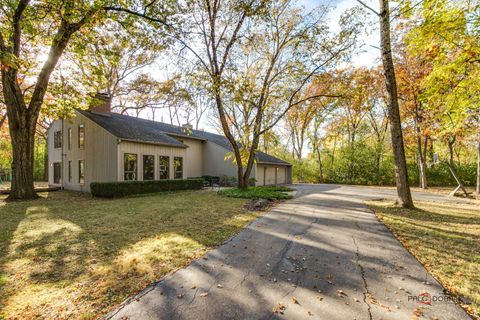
{"x": 33, "y": 37}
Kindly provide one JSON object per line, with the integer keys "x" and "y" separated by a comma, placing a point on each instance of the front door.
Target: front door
{"x": 57, "y": 172}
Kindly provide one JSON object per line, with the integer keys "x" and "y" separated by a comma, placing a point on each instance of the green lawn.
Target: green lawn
{"x": 445, "y": 238}
{"x": 69, "y": 255}
{"x": 264, "y": 192}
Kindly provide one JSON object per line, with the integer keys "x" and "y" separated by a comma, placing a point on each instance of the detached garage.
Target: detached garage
{"x": 272, "y": 171}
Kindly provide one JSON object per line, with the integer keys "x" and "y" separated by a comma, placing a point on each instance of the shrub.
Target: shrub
{"x": 228, "y": 181}
{"x": 268, "y": 192}
{"x": 125, "y": 188}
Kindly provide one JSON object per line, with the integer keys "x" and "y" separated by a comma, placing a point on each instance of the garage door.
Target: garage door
{"x": 270, "y": 175}
{"x": 259, "y": 175}
{"x": 281, "y": 175}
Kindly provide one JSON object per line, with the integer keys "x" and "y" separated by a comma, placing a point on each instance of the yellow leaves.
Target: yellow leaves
{"x": 279, "y": 308}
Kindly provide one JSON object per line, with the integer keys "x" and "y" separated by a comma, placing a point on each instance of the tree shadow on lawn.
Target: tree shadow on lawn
{"x": 97, "y": 251}
{"x": 9, "y": 223}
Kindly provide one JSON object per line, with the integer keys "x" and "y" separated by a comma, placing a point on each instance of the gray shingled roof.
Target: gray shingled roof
{"x": 130, "y": 128}
{"x": 137, "y": 129}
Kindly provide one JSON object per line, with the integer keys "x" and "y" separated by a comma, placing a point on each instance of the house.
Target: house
{"x": 101, "y": 146}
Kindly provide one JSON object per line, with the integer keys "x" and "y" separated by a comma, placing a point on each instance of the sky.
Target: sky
{"x": 369, "y": 55}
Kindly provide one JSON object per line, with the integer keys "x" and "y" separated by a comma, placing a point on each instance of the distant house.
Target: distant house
{"x": 98, "y": 145}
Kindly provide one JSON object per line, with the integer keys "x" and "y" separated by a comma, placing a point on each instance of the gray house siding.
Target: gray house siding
{"x": 99, "y": 153}
{"x": 214, "y": 162}
{"x": 108, "y": 137}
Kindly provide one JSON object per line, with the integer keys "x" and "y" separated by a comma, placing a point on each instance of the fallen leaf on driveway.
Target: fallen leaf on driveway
{"x": 193, "y": 287}
{"x": 279, "y": 308}
{"x": 295, "y": 301}
{"x": 417, "y": 313}
{"x": 203, "y": 294}
{"x": 341, "y": 293}
{"x": 219, "y": 286}
{"x": 310, "y": 313}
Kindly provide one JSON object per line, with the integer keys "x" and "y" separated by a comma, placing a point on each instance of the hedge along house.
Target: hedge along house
{"x": 101, "y": 146}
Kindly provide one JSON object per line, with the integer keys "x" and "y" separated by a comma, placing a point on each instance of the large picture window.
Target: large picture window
{"x": 81, "y": 171}
{"x": 129, "y": 166}
{"x": 163, "y": 167}
{"x": 148, "y": 167}
{"x": 57, "y": 139}
{"x": 178, "y": 167}
{"x": 81, "y": 136}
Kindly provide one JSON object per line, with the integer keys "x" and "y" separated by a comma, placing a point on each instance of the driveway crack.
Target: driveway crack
{"x": 366, "y": 292}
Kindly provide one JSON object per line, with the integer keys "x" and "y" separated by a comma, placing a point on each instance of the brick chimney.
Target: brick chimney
{"x": 187, "y": 128}
{"x": 101, "y": 102}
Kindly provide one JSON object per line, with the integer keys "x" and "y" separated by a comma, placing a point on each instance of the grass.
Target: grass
{"x": 445, "y": 237}
{"x": 267, "y": 192}
{"x": 69, "y": 255}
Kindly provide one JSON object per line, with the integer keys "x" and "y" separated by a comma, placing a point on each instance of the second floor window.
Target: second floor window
{"x": 57, "y": 139}
{"x": 81, "y": 136}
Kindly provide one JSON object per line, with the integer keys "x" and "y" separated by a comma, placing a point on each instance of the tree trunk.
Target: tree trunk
{"x": 320, "y": 166}
{"x": 401, "y": 175}
{"x": 422, "y": 167}
{"x": 478, "y": 166}
{"x": 45, "y": 161}
{"x": 23, "y": 138}
{"x": 451, "y": 152}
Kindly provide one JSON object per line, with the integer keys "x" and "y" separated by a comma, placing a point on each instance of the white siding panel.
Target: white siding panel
{"x": 194, "y": 157}
{"x": 214, "y": 163}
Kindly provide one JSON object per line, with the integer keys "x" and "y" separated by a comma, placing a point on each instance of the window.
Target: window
{"x": 57, "y": 139}
{"x": 164, "y": 166}
{"x": 81, "y": 171}
{"x": 148, "y": 167}
{"x": 129, "y": 166}
{"x": 178, "y": 167}
{"x": 57, "y": 172}
{"x": 69, "y": 171}
{"x": 69, "y": 138}
{"x": 81, "y": 136}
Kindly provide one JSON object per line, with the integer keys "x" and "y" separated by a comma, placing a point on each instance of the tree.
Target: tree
{"x": 23, "y": 109}
{"x": 25, "y": 33}
{"x": 259, "y": 57}
{"x": 404, "y": 198}
{"x": 412, "y": 69}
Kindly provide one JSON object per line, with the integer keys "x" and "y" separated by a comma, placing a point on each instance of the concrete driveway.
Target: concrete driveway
{"x": 322, "y": 255}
